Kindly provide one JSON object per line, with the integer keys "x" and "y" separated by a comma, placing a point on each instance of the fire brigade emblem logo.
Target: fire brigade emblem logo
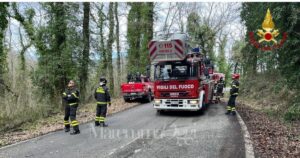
{"x": 267, "y": 35}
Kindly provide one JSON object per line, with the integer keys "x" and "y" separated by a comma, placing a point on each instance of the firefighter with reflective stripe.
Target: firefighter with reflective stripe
{"x": 71, "y": 100}
{"x": 103, "y": 99}
{"x": 220, "y": 86}
{"x": 234, "y": 91}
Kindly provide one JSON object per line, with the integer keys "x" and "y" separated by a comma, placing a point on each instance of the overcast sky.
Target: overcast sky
{"x": 234, "y": 29}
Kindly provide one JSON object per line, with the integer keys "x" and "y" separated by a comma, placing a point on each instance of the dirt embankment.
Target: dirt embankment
{"x": 40, "y": 127}
{"x": 270, "y": 135}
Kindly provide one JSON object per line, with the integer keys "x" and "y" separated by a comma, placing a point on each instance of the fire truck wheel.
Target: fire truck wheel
{"x": 159, "y": 112}
{"x": 204, "y": 106}
{"x": 149, "y": 97}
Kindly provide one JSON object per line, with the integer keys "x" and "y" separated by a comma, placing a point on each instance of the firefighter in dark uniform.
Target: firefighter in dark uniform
{"x": 220, "y": 86}
{"x": 71, "y": 100}
{"x": 103, "y": 99}
{"x": 234, "y": 91}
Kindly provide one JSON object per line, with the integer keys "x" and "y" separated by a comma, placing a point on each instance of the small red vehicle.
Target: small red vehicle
{"x": 138, "y": 87}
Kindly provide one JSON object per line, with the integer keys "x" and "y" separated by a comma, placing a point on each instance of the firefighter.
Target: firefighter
{"x": 71, "y": 100}
{"x": 103, "y": 99}
{"x": 220, "y": 86}
{"x": 234, "y": 91}
{"x": 138, "y": 77}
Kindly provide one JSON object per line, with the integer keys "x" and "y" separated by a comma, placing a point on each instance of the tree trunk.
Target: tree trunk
{"x": 22, "y": 52}
{"x": 118, "y": 42}
{"x": 103, "y": 65}
{"x": 3, "y": 25}
{"x": 86, "y": 48}
{"x": 235, "y": 67}
{"x": 109, "y": 47}
{"x": 146, "y": 35}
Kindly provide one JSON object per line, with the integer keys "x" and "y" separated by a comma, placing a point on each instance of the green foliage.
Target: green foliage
{"x": 3, "y": 24}
{"x": 277, "y": 87}
{"x": 293, "y": 112}
{"x": 202, "y": 35}
{"x": 222, "y": 65}
{"x": 57, "y": 45}
{"x": 103, "y": 54}
{"x": 193, "y": 24}
{"x": 118, "y": 41}
{"x": 85, "y": 60}
{"x": 109, "y": 47}
{"x": 139, "y": 33}
{"x": 134, "y": 37}
{"x": 147, "y": 33}
{"x": 284, "y": 61}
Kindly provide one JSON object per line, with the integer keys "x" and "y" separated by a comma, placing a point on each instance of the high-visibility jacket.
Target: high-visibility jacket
{"x": 220, "y": 85}
{"x": 102, "y": 95}
{"x": 71, "y": 96}
{"x": 234, "y": 88}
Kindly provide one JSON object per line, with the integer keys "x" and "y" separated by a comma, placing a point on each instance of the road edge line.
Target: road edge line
{"x": 249, "y": 152}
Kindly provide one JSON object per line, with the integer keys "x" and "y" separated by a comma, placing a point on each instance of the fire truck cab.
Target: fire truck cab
{"x": 182, "y": 79}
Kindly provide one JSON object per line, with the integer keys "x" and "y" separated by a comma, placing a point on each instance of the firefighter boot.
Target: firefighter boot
{"x": 228, "y": 110}
{"x": 103, "y": 124}
{"x": 233, "y": 113}
{"x": 67, "y": 128}
{"x": 97, "y": 123}
{"x": 75, "y": 130}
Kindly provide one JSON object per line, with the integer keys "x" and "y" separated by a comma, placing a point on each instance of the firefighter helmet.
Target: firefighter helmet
{"x": 235, "y": 76}
{"x": 103, "y": 81}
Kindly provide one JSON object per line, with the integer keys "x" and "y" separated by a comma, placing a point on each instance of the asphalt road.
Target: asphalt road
{"x": 141, "y": 132}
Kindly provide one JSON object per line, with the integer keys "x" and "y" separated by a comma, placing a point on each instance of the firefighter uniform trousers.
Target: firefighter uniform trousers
{"x": 234, "y": 91}
{"x": 101, "y": 113}
{"x": 71, "y": 99}
{"x": 103, "y": 98}
{"x": 231, "y": 103}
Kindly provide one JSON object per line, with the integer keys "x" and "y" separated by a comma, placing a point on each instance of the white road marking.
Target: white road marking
{"x": 137, "y": 150}
{"x": 249, "y": 152}
{"x": 123, "y": 146}
{"x": 93, "y": 130}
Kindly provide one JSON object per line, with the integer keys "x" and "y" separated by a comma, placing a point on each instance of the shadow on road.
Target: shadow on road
{"x": 183, "y": 113}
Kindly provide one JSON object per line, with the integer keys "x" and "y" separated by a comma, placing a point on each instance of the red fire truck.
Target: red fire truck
{"x": 182, "y": 78}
